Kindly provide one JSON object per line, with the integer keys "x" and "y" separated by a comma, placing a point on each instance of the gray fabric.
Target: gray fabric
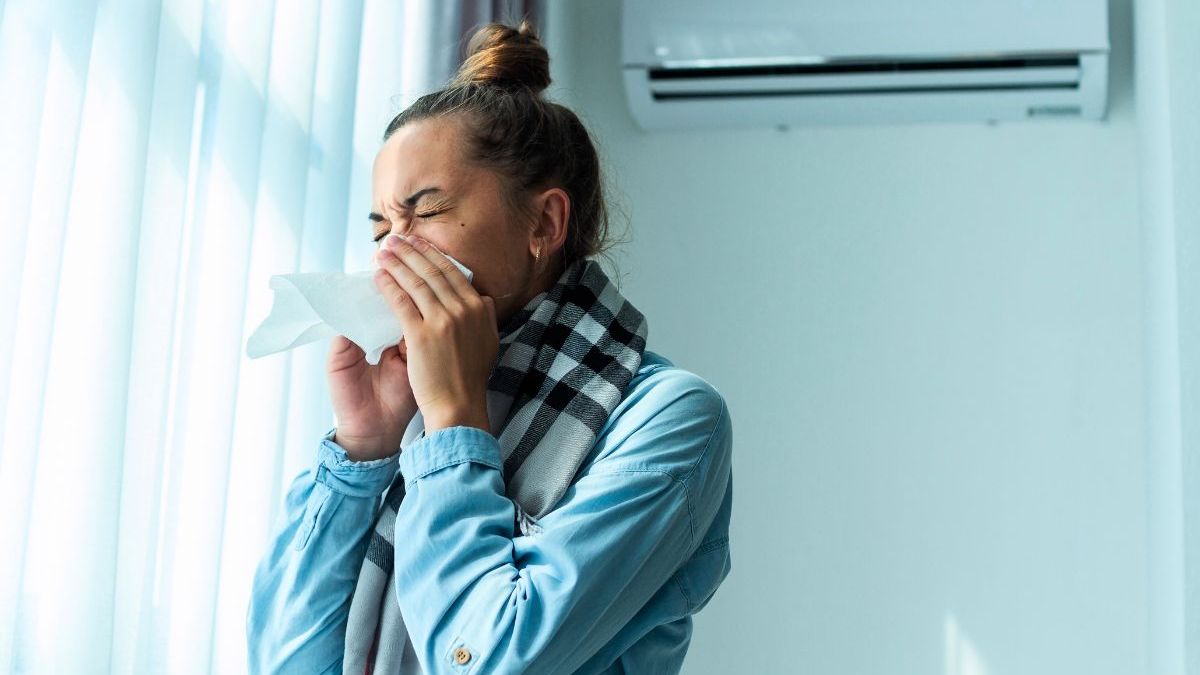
{"x": 580, "y": 336}
{"x": 434, "y": 33}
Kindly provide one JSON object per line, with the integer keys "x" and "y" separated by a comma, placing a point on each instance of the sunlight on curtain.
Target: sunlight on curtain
{"x": 159, "y": 163}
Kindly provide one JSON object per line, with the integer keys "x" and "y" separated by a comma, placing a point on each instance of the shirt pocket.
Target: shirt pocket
{"x": 699, "y": 578}
{"x": 312, "y": 510}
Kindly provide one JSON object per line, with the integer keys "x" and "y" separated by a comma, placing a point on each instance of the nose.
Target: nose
{"x": 400, "y": 227}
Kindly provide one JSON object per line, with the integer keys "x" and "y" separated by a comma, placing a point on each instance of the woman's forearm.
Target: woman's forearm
{"x": 300, "y": 598}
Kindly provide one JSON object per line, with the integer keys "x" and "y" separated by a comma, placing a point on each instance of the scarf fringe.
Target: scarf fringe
{"x": 525, "y": 523}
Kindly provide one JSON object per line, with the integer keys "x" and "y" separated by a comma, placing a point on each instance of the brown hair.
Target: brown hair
{"x": 531, "y": 143}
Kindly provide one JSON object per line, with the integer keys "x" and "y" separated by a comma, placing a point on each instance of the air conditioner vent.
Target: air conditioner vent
{"x": 683, "y": 72}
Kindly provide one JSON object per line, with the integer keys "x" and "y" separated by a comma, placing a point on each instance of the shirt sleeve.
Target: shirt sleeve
{"x": 477, "y": 597}
{"x": 300, "y": 597}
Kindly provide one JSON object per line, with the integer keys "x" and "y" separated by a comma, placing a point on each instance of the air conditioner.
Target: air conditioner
{"x": 709, "y": 63}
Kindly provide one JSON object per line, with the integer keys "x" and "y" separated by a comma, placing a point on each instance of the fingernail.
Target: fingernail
{"x": 392, "y": 241}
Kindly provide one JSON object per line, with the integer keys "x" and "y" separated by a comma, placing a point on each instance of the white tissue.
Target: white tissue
{"x": 310, "y": 306}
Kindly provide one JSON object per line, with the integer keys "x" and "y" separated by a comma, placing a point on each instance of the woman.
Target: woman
{"x": 557, "y": 496}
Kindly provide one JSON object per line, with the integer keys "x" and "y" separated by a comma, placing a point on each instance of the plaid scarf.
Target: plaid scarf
{"x": 585, "y": 332}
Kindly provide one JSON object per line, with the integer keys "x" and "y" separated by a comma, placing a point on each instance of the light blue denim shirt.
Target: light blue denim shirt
{"x": 636, "y": 545}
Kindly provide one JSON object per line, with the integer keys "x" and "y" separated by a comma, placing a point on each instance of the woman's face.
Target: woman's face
{"x": 423, "y": 185}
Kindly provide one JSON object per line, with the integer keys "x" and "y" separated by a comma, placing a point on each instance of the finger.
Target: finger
{"x": 454, "y": 276}
{"x": 413, "y": 285}
{"x": 398, "y": 300}
{"x": 343, "y": 353}
{"x": 421, "y": 271}
{"x": 341, "y": 343}
{"x": 344, "y": 347}
{"x": 389, "y": 353}
{"x": 490, "y": 305}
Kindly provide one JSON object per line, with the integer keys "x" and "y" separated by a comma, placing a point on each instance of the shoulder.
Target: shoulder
{"x": 669, "y": 420}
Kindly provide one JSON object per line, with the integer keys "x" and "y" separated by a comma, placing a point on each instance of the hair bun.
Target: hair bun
{"x": 507, "y": 57}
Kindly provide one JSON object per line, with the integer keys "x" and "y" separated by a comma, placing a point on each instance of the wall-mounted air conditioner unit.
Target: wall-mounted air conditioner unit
{"x": 708, "y": 63}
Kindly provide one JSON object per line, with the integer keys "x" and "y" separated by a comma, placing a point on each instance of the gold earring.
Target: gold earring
{"x": 537, "y": 256}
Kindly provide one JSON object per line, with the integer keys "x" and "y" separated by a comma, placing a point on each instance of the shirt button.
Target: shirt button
{"x": 461, "y": 655}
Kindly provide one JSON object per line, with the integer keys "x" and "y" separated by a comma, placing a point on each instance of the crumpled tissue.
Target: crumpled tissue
{"x": 309, "y": 306}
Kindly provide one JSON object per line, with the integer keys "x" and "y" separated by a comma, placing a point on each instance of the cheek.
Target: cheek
{"x": 497, "y": 274}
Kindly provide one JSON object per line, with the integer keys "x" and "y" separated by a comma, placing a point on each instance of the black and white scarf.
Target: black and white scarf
{"x": 585, "y": 331}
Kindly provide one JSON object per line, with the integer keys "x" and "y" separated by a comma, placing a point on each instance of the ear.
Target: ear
{"x": 553, "y": 214}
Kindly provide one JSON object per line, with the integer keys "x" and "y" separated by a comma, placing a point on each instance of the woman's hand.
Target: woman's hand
{"x": 373, "y": 404}
{"x": 450, "y": 330}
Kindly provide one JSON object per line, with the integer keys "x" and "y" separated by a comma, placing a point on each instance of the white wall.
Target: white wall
{"x": 931, "y": 341}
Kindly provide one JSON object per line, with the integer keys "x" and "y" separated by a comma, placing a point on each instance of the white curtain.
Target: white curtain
{"x": 158, "y": 162}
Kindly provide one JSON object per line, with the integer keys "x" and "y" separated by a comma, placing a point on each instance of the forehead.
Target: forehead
{"x": 422, "y": 153}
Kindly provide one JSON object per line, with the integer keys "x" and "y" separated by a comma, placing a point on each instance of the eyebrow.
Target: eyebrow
{"x": 409, "y": 202}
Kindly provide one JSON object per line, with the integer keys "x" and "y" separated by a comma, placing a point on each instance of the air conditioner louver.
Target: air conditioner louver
{"x": 1006, "y": 73}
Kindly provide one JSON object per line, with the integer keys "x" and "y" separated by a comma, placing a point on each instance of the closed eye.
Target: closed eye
{"x": 431, "y": 214}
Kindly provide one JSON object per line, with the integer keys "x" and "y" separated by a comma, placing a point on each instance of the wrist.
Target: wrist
{"x": 363, "y": 449}
{"x": 472, "y": 417}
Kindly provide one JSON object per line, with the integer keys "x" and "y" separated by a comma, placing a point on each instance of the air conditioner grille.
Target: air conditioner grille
{"x": 865, "y": 67}
{"x": 766, "y": 93}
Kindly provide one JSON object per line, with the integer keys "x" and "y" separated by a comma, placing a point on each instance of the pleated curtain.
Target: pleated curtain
{"x": 158, "y": 162}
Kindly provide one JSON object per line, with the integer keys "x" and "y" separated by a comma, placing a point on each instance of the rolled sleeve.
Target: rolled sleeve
{"x": 335, "y": 469}
{"x": 448, "y": 447}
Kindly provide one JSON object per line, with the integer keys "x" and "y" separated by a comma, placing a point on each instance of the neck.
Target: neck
{"x": 540, "y": 284}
